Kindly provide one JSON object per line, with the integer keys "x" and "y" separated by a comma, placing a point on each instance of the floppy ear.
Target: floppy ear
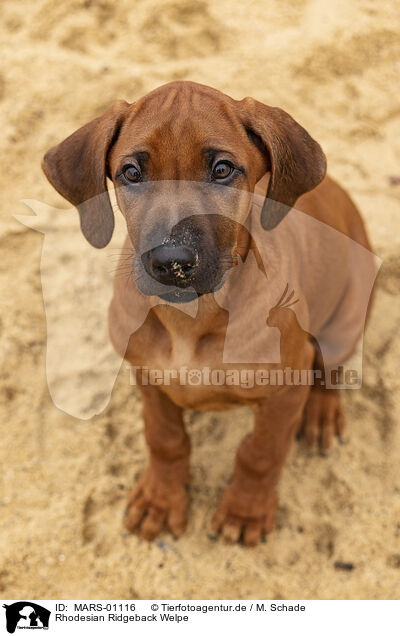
{"x": 77, "y": 168}
{"x": 297, "y": 161}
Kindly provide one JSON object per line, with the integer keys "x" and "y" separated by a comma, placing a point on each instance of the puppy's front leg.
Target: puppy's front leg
{"x": 249, "y": 503}
{"x": 161, "y": 493}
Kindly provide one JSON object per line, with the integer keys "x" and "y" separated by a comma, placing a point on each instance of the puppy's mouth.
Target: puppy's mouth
{"x": 179, "y": 296}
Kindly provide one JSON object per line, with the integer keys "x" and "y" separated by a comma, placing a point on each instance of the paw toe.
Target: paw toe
{"x": 231, "y": 531}
{"x": 133, "y": 518}
{"x": 152, "y": 524}
{"x": 252, "y": 533}
{"x": 323, "y": 420}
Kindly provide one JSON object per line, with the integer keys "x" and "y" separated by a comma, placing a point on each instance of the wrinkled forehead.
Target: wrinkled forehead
{"x": 183, "y": 118}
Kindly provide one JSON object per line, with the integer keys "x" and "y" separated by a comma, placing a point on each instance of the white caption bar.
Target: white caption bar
{"x": 166, "y": 616}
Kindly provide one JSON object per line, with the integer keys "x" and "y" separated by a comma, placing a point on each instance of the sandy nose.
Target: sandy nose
{"x": 172, "y": 264}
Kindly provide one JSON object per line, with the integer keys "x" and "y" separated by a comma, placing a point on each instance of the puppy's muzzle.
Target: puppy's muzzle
{"x": 171, "y": 264}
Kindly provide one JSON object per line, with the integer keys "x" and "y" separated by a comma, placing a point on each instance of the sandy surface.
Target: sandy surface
{"x": 335, "y": 67}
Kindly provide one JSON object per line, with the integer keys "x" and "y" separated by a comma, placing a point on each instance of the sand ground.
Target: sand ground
{"x": 335, "y": 67}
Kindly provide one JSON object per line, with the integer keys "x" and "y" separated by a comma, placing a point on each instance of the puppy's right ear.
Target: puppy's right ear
{"x": 77, "y": 168}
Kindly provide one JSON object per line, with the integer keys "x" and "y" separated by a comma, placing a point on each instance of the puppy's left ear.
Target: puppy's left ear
{"x": 77, "y": 168}
{"x": 297, "y": 161}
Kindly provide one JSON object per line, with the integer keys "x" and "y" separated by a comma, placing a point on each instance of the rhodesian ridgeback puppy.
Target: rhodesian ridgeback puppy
{"x": 185, "y": 161}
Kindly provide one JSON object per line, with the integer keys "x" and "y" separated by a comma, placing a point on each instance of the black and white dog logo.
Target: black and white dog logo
{"x": 26, "y": 615}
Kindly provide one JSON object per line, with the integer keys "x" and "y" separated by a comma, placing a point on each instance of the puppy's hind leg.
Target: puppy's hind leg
{"x": 323, "y": 416}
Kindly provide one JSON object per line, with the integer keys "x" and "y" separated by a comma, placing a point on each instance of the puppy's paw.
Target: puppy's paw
{"x": 241, "y": 516}
{"x": 153, "y": 504}
{"x": 323, "y": 419}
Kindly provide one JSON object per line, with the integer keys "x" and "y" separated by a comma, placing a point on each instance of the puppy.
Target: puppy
{"x": 230, "y": 278}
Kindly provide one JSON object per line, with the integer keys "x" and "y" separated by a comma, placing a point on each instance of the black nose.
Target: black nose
{"x": 172, "y": 264}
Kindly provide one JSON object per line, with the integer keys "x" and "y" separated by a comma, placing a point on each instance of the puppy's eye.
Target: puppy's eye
{"x": 222, "y": 170}
{"x": 132, "y": 173}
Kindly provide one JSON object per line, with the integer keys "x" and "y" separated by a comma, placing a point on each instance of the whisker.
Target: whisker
{"x": 123, "y": 275}
{"x": 125, "y": 272}
{"x": 121, "y": 247}
{"x": 116, "y": 254}
{"x": 123, "y": 261}
{"x": 123, "y": 266}
{"x": 121, "y": 250}
{"x": 120, "y": 258}
{"x": 120, "y": 270}
{"x": 131, "y": 274}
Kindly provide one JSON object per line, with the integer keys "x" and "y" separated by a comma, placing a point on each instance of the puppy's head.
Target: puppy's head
{"x": 184, "y": 160}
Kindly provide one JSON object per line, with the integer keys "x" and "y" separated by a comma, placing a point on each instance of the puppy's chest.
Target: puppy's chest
{"x": 159, "y": 348}
{"x": 191, "y": 370}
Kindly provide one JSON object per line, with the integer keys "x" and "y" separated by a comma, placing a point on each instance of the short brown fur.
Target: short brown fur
{"x": 171, "y": 124}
